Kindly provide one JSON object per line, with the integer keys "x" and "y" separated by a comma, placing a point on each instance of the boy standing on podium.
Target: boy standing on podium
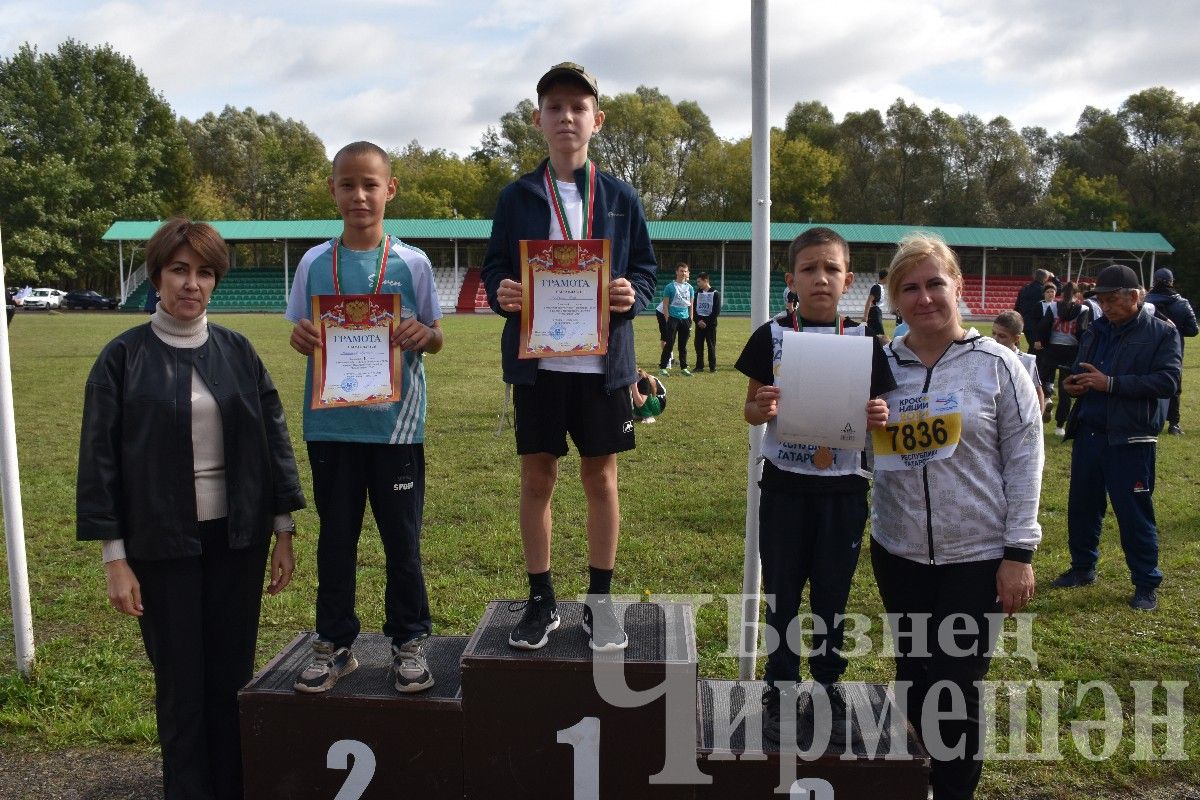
{"x": 372, "y": 451}
{"x": 566, "y": 197}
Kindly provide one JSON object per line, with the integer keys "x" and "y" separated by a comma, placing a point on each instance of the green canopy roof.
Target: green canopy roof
{"x": 479, "y": 229}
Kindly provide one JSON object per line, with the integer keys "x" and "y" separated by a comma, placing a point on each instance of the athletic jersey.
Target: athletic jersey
{"x": 789, "y": 466}
{"x": 408, "y": 274}
{"x": 679, "y": 295}
{"x": 706, "y": 303}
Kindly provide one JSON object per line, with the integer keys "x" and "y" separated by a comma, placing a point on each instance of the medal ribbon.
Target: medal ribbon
{"x": 589, "y": 200}
{"x": 385, "y": 244}
{"x": 798, "y": 326}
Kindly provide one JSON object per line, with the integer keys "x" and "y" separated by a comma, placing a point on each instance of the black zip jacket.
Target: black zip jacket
{"x": 136, "y": 477}
{"x": 523, "y": 212}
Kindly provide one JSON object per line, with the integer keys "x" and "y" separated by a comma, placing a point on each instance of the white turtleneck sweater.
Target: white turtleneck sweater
{"x": 208, "y": 442}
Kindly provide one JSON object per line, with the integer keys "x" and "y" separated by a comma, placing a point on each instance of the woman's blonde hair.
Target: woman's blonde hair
{"x": 915, "y": 247}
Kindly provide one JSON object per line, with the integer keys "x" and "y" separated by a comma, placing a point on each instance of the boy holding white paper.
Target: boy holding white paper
{"x": 813, "y": 507}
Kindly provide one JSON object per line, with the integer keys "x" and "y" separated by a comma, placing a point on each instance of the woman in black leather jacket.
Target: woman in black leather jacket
{"x": 185, "y": 469}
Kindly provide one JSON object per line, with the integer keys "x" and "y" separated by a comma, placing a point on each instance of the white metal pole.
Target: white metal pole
{"x": 983, "y": 298}
{"x": 14, "y": 517}
{"x": 286, "y": 265}
{"x": 722, "y": 271}
{"x": 456, "y": 285}
{"x": 121, "y": 267}
{"x": 760, "y": 267}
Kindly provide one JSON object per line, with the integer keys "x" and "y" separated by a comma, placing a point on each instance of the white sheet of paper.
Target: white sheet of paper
{"x": 824, "y": 383}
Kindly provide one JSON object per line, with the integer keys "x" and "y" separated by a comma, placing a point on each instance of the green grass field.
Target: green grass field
{"x": 683, "y": 511}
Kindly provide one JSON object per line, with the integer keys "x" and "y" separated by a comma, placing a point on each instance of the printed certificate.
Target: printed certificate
{"x": 824, "y": 384}
{"x": 355, "y": 364}
{"x": 564, "y": 309}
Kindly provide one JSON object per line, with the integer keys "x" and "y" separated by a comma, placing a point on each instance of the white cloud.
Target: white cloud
{"x": 442, "y": 72}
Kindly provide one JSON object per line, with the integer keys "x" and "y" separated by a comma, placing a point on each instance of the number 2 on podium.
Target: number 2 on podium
{"x": 361, "y": 773}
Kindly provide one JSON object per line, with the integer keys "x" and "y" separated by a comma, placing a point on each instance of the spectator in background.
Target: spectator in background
{"x": 677, "y": 298}
{"x": 649, "y": 397}
{"x": 1006, "y": 329}
{"x": 708, "y": 309}
{"x": 1176, "y": 308}
{"x": 1029, "y": 304}
{"x": 1128, "y": 363}
{"x": 873, "y": 310}
{"x": 1058, "y": 344}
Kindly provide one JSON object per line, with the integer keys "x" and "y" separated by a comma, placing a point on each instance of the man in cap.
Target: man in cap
{"x": 1175, "y": 307}
{"x": 1128, "y": 364}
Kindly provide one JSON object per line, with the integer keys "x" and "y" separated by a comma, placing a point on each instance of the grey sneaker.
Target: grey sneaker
{"x": 600, "y": 623}
{"x": 327, "y": 666}
{"x": 410, "y": 668}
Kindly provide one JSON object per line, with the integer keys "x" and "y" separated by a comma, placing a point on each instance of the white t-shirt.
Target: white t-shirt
{"x": 572, "y": 203}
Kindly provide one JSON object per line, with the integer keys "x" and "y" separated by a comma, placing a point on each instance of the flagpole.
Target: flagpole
{"x": 760, "y": 276}
{"x": 14, "y": 518}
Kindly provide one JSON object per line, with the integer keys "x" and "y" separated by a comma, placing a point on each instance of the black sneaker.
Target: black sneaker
{"x": 533, "y": 631}
{"x": 835, "y": 720}
{"x": 602, "y": 626}
{"x": 1175, "y": 430}
{"x": 1144, "y": 599}
{"x": 1074, "y": 578}
{"x": 410, "y": 668}
{"x": 770, "y": 715}
{"x": 328, "y": 665}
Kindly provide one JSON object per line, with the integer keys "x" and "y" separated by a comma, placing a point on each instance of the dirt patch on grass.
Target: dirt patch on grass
{"x": 80, "y": 775}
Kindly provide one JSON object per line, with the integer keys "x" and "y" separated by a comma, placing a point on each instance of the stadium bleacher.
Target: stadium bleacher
{"x": 261, "y": 289}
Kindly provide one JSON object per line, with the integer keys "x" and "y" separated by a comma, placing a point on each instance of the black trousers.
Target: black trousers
{"x": 345, "y": 475}
{"x": 676, "y": 329}
{"x": 200, "y": 627}
{"x": 706, "y": 337}
{"x": 1059, "y": 359}
{"x": 939, "y": 591}
{"x": 809, "y": 539}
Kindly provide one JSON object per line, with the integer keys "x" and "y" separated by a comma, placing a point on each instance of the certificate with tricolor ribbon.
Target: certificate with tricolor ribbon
{"x": 355, "y": 363}
{"x": 564, "y": 309}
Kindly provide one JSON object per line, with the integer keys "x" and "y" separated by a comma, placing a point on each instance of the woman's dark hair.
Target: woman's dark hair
{"x": 178, "y": 231}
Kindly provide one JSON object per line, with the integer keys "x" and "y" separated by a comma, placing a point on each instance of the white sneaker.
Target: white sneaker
{"x": 648, "y": 420}
{"x": 1060, "y": 432}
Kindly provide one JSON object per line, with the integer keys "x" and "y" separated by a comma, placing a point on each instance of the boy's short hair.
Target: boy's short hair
{"x": 817, "y": 235}
{"x": 915, "y": 247}
{"x": 701, "y": 276}
{"x": 1011, "y": 321}
{"x": 682, "y": 265}
{"x": 882, "y": 274}
{"x": 567, "y": 72}
{"x": 363, "y": 148}
{"x": 178, "y": 231}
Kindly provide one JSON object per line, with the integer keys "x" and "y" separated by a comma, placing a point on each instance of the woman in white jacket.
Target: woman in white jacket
{"x": 954, "y": 513}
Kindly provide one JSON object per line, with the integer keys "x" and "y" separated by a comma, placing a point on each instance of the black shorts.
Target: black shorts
{"x": 558, "y": 403}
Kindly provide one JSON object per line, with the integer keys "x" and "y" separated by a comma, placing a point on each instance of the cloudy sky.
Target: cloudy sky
{"x": 441, "y": 71}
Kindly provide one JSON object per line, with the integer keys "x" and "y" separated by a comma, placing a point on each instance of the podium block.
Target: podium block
{"x": 873, "y": 764}
{"x": 361, "y": 739}
{"x": 549, "y": 722}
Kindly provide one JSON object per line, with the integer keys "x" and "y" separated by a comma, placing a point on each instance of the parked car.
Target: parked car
{"x": 44, "y": 298}
{"x": 88, "y": 298}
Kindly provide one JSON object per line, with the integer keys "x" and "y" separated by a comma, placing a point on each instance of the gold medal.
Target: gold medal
{"x": 823, "y": 458}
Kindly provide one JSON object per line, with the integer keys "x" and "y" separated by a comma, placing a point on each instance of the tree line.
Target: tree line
{"x": 87, "y": 140}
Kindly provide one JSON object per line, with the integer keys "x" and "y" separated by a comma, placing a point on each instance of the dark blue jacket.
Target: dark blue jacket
{"x": 1146, "y": 367}
{"x": 1175, "y": 307}
{"x": 523, "y": 212}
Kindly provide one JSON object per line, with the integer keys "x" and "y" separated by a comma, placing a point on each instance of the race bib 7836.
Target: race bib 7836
{"x": 920, "y": 429}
